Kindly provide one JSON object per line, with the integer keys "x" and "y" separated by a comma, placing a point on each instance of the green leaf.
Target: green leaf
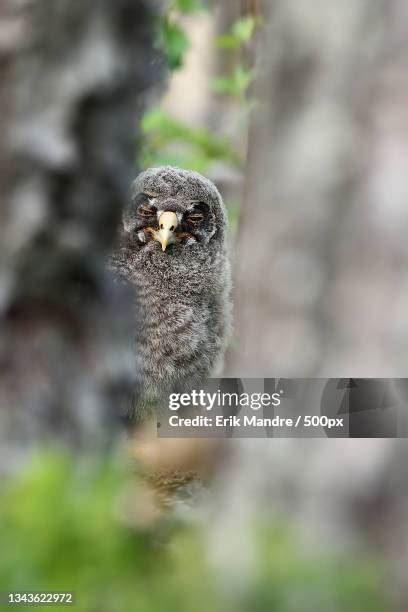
{"x": 240, "y": 33}
{"x": 235, "y": 85}
{"x": 244, "y": 28}
{"x": 227, "y": 41}
{"x": 174, "y": 42}
{"x": 188, "y": 6}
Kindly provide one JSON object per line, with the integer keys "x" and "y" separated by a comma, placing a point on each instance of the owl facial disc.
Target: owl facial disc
{"x": 167, "y": 224}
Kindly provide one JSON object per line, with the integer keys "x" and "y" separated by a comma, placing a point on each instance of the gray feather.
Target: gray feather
{"x": 182, "y": 296}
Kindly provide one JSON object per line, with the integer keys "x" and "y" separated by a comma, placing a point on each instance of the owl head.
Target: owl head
{"x": 172, "y": 209}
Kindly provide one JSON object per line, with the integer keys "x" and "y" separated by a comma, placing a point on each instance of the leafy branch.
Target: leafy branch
{"x": 238, "y": 38}
{"x": 167, "y": 140}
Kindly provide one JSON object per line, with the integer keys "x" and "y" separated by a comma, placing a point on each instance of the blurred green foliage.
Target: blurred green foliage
{"x": 171, "y": 36}
{"x": 170, "y": 141}
{"x": 61, "y": 530}
{"x": 166, "y": 140}
{"x": 188, "y": 7}
{"x": 240, "y": 34}
{"x": 173, "y": 39}
{"x": 236, "y": 84}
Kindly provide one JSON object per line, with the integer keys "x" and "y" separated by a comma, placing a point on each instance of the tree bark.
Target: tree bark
{"x": 74, "y": 81}
{"x": 321, "y": 265}
{"x": 321, "y": 277}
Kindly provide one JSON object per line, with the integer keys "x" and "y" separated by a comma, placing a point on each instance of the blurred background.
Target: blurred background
{"x": 298, "y": 112}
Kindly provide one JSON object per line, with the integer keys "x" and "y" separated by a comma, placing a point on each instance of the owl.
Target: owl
{"x": 173, "y": 252}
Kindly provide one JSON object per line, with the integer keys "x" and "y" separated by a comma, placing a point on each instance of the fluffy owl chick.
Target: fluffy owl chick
{"x": 174, "y": 253}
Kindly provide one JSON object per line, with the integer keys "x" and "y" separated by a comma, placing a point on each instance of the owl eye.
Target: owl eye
{"x": 146, "y": 211}
{"x": 197, "y": 213}
{"x": 195, "y": 217}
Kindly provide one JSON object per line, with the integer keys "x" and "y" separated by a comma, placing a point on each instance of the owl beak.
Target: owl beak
{"x": 167, "y": 224}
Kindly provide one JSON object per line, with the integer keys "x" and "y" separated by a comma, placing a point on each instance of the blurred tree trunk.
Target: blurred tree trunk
{"x": 321, "y": 265}
{"x": 73, "y": 81}
{"x": 322, "y": 284}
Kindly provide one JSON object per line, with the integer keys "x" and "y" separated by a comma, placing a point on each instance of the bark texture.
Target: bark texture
{"x": 321, "y": 268}
{"x": 321, "y": 281}
{"x": 74, "y": 79}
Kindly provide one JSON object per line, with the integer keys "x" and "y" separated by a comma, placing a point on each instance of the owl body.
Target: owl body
{"x": 182, "y": 290}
